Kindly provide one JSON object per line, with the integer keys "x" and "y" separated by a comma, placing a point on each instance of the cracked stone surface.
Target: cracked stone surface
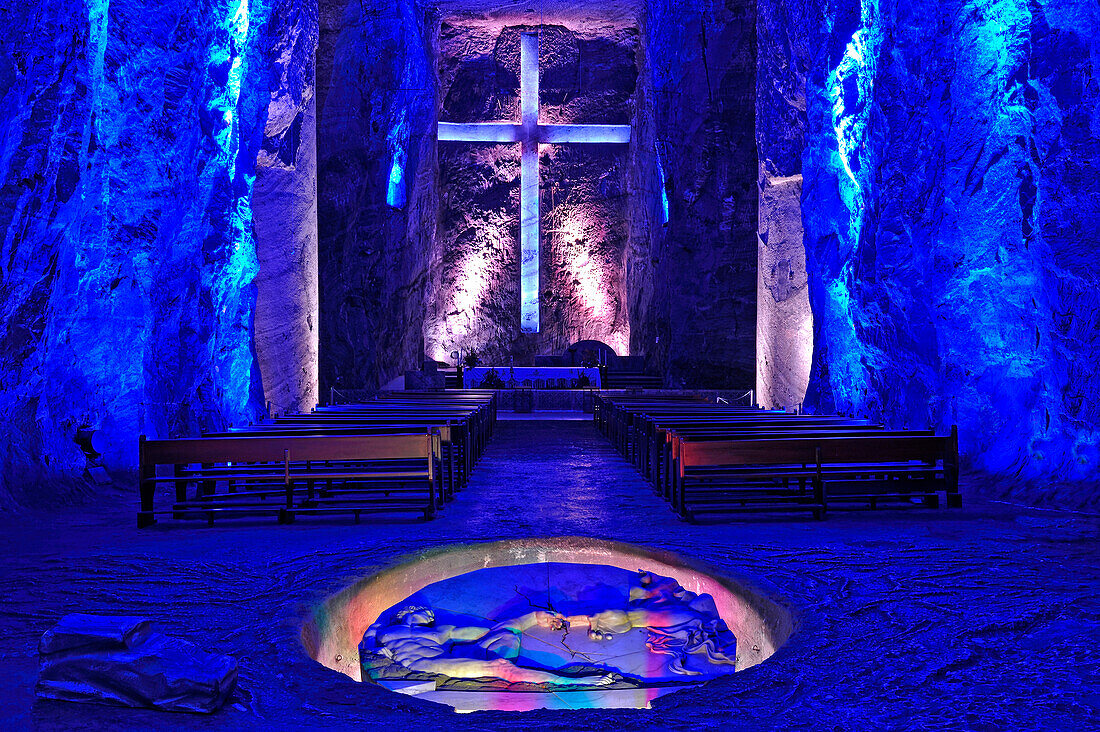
{"x": 489, "y": 598}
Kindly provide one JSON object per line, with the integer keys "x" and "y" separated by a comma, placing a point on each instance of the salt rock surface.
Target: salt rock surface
{"x": 376, "y": 114}
{"x": 949, "y": 229}
{"x": 588, "y": 75}
{"x": 694, "y": 278}
{"x": 127, "y": 292}
{"x": 121, "y": 660}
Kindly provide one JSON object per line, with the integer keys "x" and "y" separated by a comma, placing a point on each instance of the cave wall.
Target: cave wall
{"x": 787, "y": 38}
{"x": 949, "y": 205}
{"x": 127, "y": 162}
{"x": 588, "y": 74}
{"x": 678, "y": 289}
{"x": 377, "y": 197}
{"x": 284, "y": 206}
{"x": 694, "y": 300}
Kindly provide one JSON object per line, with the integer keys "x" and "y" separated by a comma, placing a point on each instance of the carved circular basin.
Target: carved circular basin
{"x": 543, "y": 623}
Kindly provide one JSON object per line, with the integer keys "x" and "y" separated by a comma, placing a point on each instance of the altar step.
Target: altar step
{"x": 612, "y": 380}
{"x": 631, "y": 380}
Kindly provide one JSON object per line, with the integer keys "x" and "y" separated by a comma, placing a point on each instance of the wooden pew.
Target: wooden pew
{"x": 455, "y": 465}
{"x": 360, "y": 472}
{"x": 464, "y": 419}
{"x": 730, "y": 476}
{"x": 463, "y": 433}
{"x": 651, "y": 433}
{"x": 661, "y": 471}
{"x": 618, "y": 417}
{"x": 479, "y": 418}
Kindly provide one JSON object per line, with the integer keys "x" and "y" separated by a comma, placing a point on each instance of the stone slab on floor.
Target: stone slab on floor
{"x": 122, "y": 661}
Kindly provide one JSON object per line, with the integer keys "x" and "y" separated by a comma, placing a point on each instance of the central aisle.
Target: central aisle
{"x": 553, "y": 476}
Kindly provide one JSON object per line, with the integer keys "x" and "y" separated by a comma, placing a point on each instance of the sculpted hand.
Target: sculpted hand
{"x": 550, "y": 619}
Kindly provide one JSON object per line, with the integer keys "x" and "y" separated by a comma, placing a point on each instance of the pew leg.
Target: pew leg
{"x": 181, "y": 488}
{"x": 146, "y": 486}
{"x": 451, "y": 487}
{"x": 954, "y": 500}
{"x": 819, "y": 496}
{"x": 429, "y": 511}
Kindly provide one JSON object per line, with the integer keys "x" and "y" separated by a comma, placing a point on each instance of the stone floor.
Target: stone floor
{"x": 983, "y": 618}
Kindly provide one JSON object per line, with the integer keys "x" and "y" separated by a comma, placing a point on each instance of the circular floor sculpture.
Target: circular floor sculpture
{"x": 543, "y": 623}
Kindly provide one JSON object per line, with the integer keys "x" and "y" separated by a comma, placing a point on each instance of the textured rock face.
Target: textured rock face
{"x": 682, "y": 295}
{"x": 784, "y": 340}
{"x": 127, "y": 161}
{"x": 122, "y": 660}
{"x": 377, "y": 195}
{"x": 588, "y": 74}
{"x": 949, "y": 206}
{"x": 784, "y": 346}
{"x": 693, "y": 284}
{"x": 284, "y": 205}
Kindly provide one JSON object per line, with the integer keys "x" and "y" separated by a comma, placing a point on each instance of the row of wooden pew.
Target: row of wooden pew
{"x": 715, "y": 459}
{"x": 404, "y": 452}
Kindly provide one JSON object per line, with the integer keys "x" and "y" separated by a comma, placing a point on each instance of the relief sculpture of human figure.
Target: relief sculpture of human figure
{"x": 678, "y": 624}
{"x": 418, "y": 643}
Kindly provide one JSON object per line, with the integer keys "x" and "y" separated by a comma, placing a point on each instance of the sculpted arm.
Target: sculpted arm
{"x": 462, "y": 633}
{"x": 543, "y": 618}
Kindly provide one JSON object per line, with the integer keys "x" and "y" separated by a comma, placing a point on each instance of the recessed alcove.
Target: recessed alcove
{"x": 427, "y": 228}
{"x": 557, "y": 623}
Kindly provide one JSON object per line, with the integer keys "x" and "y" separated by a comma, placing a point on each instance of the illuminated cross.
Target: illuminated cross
{"x": 530, "y": 133}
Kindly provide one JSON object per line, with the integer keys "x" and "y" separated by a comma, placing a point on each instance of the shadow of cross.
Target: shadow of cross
{"x": 530, "y": 133}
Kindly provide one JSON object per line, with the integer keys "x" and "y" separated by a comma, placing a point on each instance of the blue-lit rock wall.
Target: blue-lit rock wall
{"x": 127, "y": 159}
{"x": 284, "y": 213}
{"x": 952, "y": 212}
{"x": 693, "y": 307}
{"x": 377, "y": 199}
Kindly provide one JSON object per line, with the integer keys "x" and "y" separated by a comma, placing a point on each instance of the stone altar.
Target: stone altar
{"x": 537, "y": 377}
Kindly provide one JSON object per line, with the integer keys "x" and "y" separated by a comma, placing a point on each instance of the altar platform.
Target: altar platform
{"x": 531, "y": 377}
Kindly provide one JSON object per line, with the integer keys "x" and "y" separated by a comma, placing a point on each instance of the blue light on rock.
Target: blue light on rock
{"x": 395, "y": 193}
{"x": 664, "y": 189}
{"x": 398, "y": 141}
{"x": 235, "y": 264}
